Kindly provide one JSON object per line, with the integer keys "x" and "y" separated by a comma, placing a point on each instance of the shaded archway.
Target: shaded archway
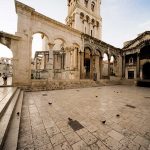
{"x": 144, "y": 62}
{"x": 145, "y": 52}
{"x": 87, "y": 63}
{"x": 146, "y": 71}
{"x": 6, "y": 64}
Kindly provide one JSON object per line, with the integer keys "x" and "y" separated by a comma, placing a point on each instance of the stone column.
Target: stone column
{"x": 81, "y": 65}
{"x": 108, "y": 68}
{"x": 123, "y": 66}
{"x": 138, "y": 66}
{"x": 75, "y": 58}
{"x": 50, "y": 61}
{"x": 100, "y": 66}
{"x": 71, "y": 60}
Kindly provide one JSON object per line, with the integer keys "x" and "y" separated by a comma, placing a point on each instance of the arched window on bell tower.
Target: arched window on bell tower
{"x": 92, "y": 6}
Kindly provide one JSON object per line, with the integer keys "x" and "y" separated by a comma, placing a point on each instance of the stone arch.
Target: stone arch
{"x": 88, "y": 46}
{"x": 40, "y": 55}
{"x": 6, "y": 62}
{"x": 76, "y": 44}
{"x": 58, "y": 44}
{"x": 41, "y": 32}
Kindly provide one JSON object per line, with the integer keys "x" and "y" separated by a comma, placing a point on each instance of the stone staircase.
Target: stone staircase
{"x": 10, "y": 105}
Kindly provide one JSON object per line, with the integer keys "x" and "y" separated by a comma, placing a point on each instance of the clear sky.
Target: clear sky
{"x": 122, "y": 19}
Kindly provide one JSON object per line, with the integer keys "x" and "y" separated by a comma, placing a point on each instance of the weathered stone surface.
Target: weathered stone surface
{"x": 89, "y": 111}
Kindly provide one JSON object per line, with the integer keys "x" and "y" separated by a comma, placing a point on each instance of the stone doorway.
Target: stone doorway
{"x": 146, "y": 71}
{"x": 130, "y": 74}
{"x": 87, "y": 68}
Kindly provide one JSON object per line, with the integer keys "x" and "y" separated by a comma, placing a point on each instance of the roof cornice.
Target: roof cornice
{"x": 136, "y": 39}
{"x": 33, "y": 12}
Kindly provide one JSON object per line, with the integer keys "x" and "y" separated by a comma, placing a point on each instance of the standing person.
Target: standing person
{"x": 4, "y": 79}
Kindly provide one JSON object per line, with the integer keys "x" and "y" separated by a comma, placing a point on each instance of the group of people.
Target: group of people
{"x": 4, "y": 76}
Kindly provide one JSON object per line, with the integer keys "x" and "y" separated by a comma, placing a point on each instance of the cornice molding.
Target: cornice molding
{"x": 7, "y": 35}
{"x": 41, "y": 16}
{"x": 136, "y": 39}
{"x": 99, "y": 42}
{"x": 138, "y": 46}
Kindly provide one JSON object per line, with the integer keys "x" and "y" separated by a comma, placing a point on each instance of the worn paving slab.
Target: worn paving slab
{"x": 45, "y": 126}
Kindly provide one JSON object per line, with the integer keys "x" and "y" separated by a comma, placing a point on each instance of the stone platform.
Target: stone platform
{"x": 124, "y": 109}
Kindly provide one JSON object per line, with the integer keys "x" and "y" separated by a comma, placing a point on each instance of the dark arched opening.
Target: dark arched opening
{"x": 145, "y": 52}
{"x": 87, "y": 63}
{"x": 146, "y": 71}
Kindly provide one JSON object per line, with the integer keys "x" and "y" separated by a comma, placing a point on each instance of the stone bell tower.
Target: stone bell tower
{"x": 84, "y": 15}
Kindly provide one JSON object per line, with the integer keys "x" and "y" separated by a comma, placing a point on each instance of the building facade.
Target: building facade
{"x": 71, "y": 51}
{"x": 136, "y": 58}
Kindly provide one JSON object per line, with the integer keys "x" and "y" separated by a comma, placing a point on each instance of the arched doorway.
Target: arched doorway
{"x": 40, "y": 56}
{"x": 87, "y": 63}
{"x": 6, "y": 64}
{"x": 145, "y": 62}
{"x": 146, "y": 71}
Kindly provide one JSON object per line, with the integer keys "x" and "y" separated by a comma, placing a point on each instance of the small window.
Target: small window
{"x": 81, "y": 15}
{"x": 92, "y": 6}
{"x": 131, "y": 61}
{"x": 87, "y": 18}
{"x": 91, "y": 32}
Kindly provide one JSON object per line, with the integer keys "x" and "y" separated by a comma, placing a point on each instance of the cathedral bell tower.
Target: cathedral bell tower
{"x": 84, "y": 15}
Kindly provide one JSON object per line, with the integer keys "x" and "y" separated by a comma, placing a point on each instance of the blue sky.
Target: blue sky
{"x": 122, "y": 19}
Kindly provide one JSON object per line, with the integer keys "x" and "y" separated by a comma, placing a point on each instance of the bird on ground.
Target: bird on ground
{"x": 104, "y": 121}
{"x": 50, "y": 103}
{"x": 118, "y": 115}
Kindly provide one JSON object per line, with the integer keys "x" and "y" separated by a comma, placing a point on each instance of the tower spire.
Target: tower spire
{"x": 84, "y": 15}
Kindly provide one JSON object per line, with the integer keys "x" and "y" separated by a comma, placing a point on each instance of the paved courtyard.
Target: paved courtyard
{"x": 124, "y": 111}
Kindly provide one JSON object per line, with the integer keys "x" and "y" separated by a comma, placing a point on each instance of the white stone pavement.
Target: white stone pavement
{"x": 45, "y": 127}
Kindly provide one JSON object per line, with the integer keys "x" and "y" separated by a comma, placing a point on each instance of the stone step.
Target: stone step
{"x": 13, "y": 131}
{"x": 6, "y": 117}
{"x": 6, "y": 100}
{"x": 62, "y": 84}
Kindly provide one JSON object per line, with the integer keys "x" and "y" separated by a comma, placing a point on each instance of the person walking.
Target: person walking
{"x": 4, "y": 79}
